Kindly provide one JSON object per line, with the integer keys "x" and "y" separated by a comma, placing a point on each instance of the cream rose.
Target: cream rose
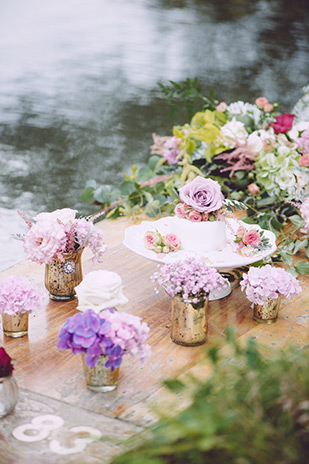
{"x": 100, "y": 290}
{"x": 65, "y": 215}
{"x": 234, "y": 132}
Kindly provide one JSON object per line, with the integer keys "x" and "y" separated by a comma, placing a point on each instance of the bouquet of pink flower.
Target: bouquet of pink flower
{"x": 262, "y": 283}
{"x": 250, "y": 242}
{"x": 191, "y": 279}
{"x": 52, "y": 235}
{"x": 110, "y": 333}
{"x": 18, "y": 295}
{"x": 154, "y": 241}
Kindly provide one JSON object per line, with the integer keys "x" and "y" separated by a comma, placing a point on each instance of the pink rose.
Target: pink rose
{"x": 180, "y": 210}
{"x": 151, "y": 240}
{"x": 205, "y": 217}
{"x": 283, "y": 123}
{"x": 221, "y": 107}
{"x": 261, "y": 102}
{"x": 304, "y": 160}
{"x": 252, "y": 238}
{"x": 268, "y": 108}
{"x": 204, "y": 195}
{"x": 194, "y": 216}
{"x": 253, "y": 189}
{"x": 247, "y": 251}
{"x": 240, "y": 232}
{"x": 172, "y": 241}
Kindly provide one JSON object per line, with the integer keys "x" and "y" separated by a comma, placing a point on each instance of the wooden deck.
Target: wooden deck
{"x": 51, "y": 382}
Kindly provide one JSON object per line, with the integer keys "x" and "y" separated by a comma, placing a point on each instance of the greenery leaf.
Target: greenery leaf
{"x": 302, "y": 267}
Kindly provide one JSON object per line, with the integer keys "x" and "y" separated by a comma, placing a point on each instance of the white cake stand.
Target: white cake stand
{"x": 224, "y": 259}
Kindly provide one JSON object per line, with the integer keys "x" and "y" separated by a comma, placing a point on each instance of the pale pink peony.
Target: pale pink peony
{"x": 172, "y": 241}
{"x": 304, "y": 160}
{"x": 261, "y": 102}
{"x": 151, "y": 240}
{"x": 44, "y": 241}
{"x": 252, "y": 238}
{"x": 253, "y": 189}
{"x": 221, "y": 107}
{"x": 194, "y": 216}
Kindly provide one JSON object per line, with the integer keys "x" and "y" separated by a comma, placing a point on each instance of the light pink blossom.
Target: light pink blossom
{"x": 304, "y": 211}
{"x": 267, "y": 282}
{"x": 304, "y": 160}
{"x": 18, "y": 295}
{"x": 44, "y": 241}
{"x": 268, "y": 107}
{"x": 172, "y": 241}
{"x": 151, "y": 239}
{"x": 221, "y": 107}
{"x": 261, "y": 102}
{"x": 195, "y": 216}
{"x": 180, "y": 210}
{"x": 252, "y": 238}
{"x": 253, "y": 189}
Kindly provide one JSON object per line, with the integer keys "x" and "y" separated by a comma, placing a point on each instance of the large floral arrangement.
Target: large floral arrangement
{"x": 52, "y": 235}
{"x": 109, "y": 333}
{"x": 267, "y": 282}
{"x": 18, "y": 295}
{"x": 6, "y": 366}
{"x": 191, "y": 279}
{"x": 257, "y": 154}
{"x": 100, "y": 290}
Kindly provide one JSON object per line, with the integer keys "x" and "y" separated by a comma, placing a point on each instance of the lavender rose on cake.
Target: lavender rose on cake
{"x": 202, "y": 197}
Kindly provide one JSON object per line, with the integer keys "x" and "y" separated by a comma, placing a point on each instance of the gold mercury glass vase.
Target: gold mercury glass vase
{"x": 100, "y": 378}
{"x": 267, "y": 313}
{"x": 15, "y": 325}
{"x": 189, "y": 321}
{"x": 61, "y": 278}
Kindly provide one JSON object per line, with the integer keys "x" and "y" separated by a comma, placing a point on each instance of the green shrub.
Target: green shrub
{"x": 254, "y": 409}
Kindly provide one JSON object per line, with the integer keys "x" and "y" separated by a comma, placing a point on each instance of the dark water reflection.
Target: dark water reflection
{"x": 78, "y": 83}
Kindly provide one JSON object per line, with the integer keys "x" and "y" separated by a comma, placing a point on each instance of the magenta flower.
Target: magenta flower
{"x": 283, "y": 123}
{"x": 6, "y": 366}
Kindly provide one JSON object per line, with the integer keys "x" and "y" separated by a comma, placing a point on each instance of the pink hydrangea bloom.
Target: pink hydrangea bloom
{"x": 17, "y": 294}
{"x": 262, "y": 283}
{"x": 304, "y": 160}
{"x": 88, "y": 235}
{"x": 128, "y": 332}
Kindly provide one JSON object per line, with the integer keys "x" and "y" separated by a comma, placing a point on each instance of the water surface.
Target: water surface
{"x": 78, "y": 85}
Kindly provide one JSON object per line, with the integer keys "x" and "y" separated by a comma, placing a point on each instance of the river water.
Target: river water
{"x": 78, "y": 85}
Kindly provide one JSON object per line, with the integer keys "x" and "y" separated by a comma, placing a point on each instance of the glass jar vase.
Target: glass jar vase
{"x": 61, "y": 277}
{"x": 15, "y": 325}
{"x": 189, "y": 321}
{"x": 100, "y": 378}
{"x": 8, "y": 395}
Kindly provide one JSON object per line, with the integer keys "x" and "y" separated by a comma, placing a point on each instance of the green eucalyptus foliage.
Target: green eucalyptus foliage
{"x": 253, "y": 409}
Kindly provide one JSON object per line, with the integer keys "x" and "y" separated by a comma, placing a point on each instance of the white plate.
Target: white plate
{"x": 223, "y": 259}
